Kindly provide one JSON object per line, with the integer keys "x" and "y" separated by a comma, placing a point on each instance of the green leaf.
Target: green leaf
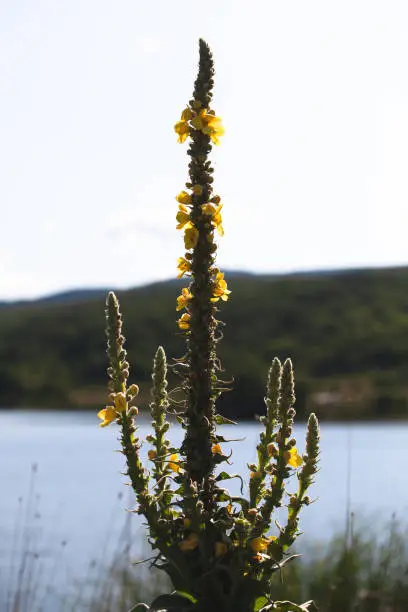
{"x": 175, "y": 602}
{"x": 186, "y": 595}
{"x": 221, "y": 420}
{"x": 226, "y": 476}
{"x": 244, "y": 503}
{"x": 259, "y": 603}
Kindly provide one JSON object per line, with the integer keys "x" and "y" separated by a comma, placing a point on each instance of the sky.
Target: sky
{"x": 312, "y": 170}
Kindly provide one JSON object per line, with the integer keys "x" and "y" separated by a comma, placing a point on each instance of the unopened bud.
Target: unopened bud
{"x": 133, "y": 390}
{"x": 272, "y": 450}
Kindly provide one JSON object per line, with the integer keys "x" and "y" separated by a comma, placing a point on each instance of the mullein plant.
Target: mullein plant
{"x": 216, "y": 548}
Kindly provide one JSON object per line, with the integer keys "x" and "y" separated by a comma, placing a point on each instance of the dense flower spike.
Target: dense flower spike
{"x": 199, "y": 215}
{"x": 216, "y": 548}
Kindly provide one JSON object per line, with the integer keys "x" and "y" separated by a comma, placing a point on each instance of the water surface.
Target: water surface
{"x": 75, "y": 487}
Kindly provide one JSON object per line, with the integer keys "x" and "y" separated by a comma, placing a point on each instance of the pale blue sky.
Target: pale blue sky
{"x": 312, "y": 169}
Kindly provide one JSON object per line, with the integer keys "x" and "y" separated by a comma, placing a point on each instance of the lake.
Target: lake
{"x": 78, "y": 498}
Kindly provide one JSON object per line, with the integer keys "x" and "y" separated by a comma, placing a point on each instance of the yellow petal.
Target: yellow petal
{"x": 190, "y": 237}
{"x": 182, "y": 129}
{"x": 172, "y": 463}
{"x": 216, "y": 449}
{"x": 259, "y": 544}
{"x": 187, "y": 114}
{"x": 107, "y": 415}
{"x": 184, "y": 321}
{"x": 183, "y": 197}
{"x": 293, "y": 458}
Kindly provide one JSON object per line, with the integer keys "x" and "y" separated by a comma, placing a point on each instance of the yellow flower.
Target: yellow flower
{"x": 184, "y": 321}
{"x": 182, "y": 129}
{"x": 173, "y": 463}
{"x": 183, "y": 217}
{"x": 183, "y": 197}
{"x": 190, "y": 237}
{"x": 216, "y": 449}
{"x": 220, "y": 288}
{"x": 293, "y": 458}
{"x": 214, "y": 129}
{"x": 208, "y": 124}
{"x": 187, "y": 114}
{"x": 189, "y": 543}
{"x": 259, "y": 544}
{"x": 215, "y": 214}
{"x": 220, "y": 549}
{"x": 151, "y": 454}
{"x": 183, "y": 266}
{"x": 120, "y": 402}
{"x": 107, "y": 415}
{"x": 183, "y": 299}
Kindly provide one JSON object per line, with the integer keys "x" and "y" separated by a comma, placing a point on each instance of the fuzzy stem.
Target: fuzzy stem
{"x": 267, "y": 437}
{"x": 201, "y": 356}
{"x": 118, "y": 372}
{"x": 273, "y": 498}
{"x": 160, "y": 425}
{"x": 309, "y": 469}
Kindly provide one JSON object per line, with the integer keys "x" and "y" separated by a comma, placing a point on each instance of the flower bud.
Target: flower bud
{"x": 133, "y": 390}
{"x": 272, "y": 450}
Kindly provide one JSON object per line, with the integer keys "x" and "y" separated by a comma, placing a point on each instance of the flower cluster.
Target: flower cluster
{"x": 120, "y": 403}
{"x": 202, "y": 119}
{"x": 199, "y": 211}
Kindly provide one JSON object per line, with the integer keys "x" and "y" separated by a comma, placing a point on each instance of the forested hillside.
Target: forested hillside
{"x": 346, "y": 332}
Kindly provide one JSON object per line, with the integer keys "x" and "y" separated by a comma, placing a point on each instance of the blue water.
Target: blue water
{"x": 60, "y": 477}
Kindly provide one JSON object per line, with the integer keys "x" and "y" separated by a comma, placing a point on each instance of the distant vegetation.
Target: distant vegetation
{"x": 347, "y": 333}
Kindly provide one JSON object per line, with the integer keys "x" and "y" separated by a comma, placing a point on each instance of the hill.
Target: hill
{"x": 346, "y": 331}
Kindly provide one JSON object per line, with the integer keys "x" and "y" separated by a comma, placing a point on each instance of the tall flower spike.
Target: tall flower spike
{"x": 305, "y": 477}
{"x": 160, "y": 425}
{"x": 286, "y": 413}
{"x": 268, "y": 437}
{"x": 201, "y": 379}
{"x": 118, "y": 372}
